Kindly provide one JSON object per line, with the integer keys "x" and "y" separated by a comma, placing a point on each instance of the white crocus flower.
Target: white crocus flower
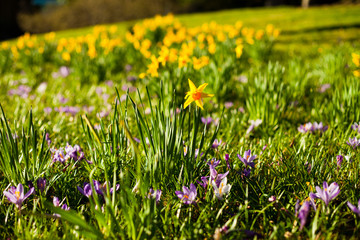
{"x": 223, "y": 188}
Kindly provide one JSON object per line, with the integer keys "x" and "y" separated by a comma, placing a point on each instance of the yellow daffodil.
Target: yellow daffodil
{"x": 196, "y": 94}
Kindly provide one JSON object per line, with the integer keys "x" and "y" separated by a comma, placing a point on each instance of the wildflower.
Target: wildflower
{"x": 339, "y": 159}
{"x": 228, "y": 104}
{"x": 227, "y": 158}
{"x": 213, "y": 163}
{"x": 204, "y": 181}
{"x": 303, "y": 213}
{"x": 196, "y": 94}
{"x": 248, "y": 159}
{"x": 57, "y": 203}
{"x": 254, "y": 124}
{"x": 356, "y": 127}
{"x": 48, "y": 110}
{"x": 272, "y": 199}
{"x": 154, "y": 194}
{"x": 308, "y": 127}
{"x": 86, "y": 191}
{"x": 207, "y": 121}
{"x": 353, "y": 142}
{"x": 353, "y": 208}
{"x": 16, "y": 195}
{"x": 41, "y": 184}
{"x": 216, "y": 143}
{"x": 187, "y": 196}
{"x": 324, "y": 87}
{"x": 47, "y": 138}
{"x": 215, "y": 176}
{"x": 326, "y": 194}
{"x": 223, "y": 188}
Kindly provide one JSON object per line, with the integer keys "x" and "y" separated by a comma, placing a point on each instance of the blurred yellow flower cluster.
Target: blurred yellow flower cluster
{"x": 161, "y": 41}
{"x": 356, "y": 61}
{"x": 165, "y": 40}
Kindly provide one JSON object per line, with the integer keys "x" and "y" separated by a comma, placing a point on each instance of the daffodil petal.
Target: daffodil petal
{"x": 199, "y": 103}
{"x": 187, "y": 103}
{"x": 192, "y": 86}
{"x": 202, "y": 87}
{"x": 206, "y": 95}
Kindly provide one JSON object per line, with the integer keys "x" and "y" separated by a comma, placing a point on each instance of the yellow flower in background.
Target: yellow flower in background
{"x": 239, "y": 50}
{"x": 356, "y": 59}
{"x": 212, "y": 48}
{"x": 196, "y": 94}
{"x": 66, "y": 56}
{"x": 357, "y": 73}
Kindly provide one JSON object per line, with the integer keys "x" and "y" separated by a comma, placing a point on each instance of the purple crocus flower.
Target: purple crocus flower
{"x": 206, "y": 120}
{"x": 353, "y": 142}
{"x": 324, "y": 87}
{"x": 307, "y": 127}
{"x": 214, "y": 176}
{"x": 227, "y": 158}
{"x": 326, "y": 194}
{"x": 131, "y": 78}
{"x": 57, "y": 203}
{"x": 41, "y": 184}
{"x": 204, "y": 181}
{"x": 109, "y": 83}
{"x": 47, "y": 110}
{"x": 228, "y": 104}
{"x": 17, "y": 196}
{"x": 353, "y": 208}
{"x": 216, "y": 143}
{"x": 87, "y": 191}
{"x": 188, "y": 196}
{"x": 303, "y": 213}
{"x": 213, "y": 163}
{"x": 319, "y": 127}
{"x": 62, "y": 99}
{"x": 47, "y": 139}
{"x": 128, "y": 67}
{"x": 248, "y": 158}
{"x": 154, "y": 194}
{"x": 339, "y": 159}
{"x": 356, "y": 127}
{"x": 64, "y": 71}
{"x": 253, "y": 124}
{"x": 58, "y": 155}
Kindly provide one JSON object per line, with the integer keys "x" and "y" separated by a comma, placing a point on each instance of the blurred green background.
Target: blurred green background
{"x": 38, "y": 16}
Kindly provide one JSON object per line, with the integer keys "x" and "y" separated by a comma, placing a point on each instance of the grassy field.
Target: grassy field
{"x": 181, "y": 128}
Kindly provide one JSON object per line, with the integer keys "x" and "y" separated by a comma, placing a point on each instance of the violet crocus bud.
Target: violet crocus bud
{"x": 339, "y": 159}
{"x": 227, "y": 158}
{"x": 41, "y": 184}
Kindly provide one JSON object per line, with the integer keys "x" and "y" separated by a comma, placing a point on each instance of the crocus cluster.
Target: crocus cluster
{"x": 22, "y": 91}
{"x": 69, "y": 152}
{"x": 312, "y": 127}
{"x": 16, "y": 194}
{"x": 100, "y": 189}
{"x": 71, "y": 110}
{"x": 353, "y": 142}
